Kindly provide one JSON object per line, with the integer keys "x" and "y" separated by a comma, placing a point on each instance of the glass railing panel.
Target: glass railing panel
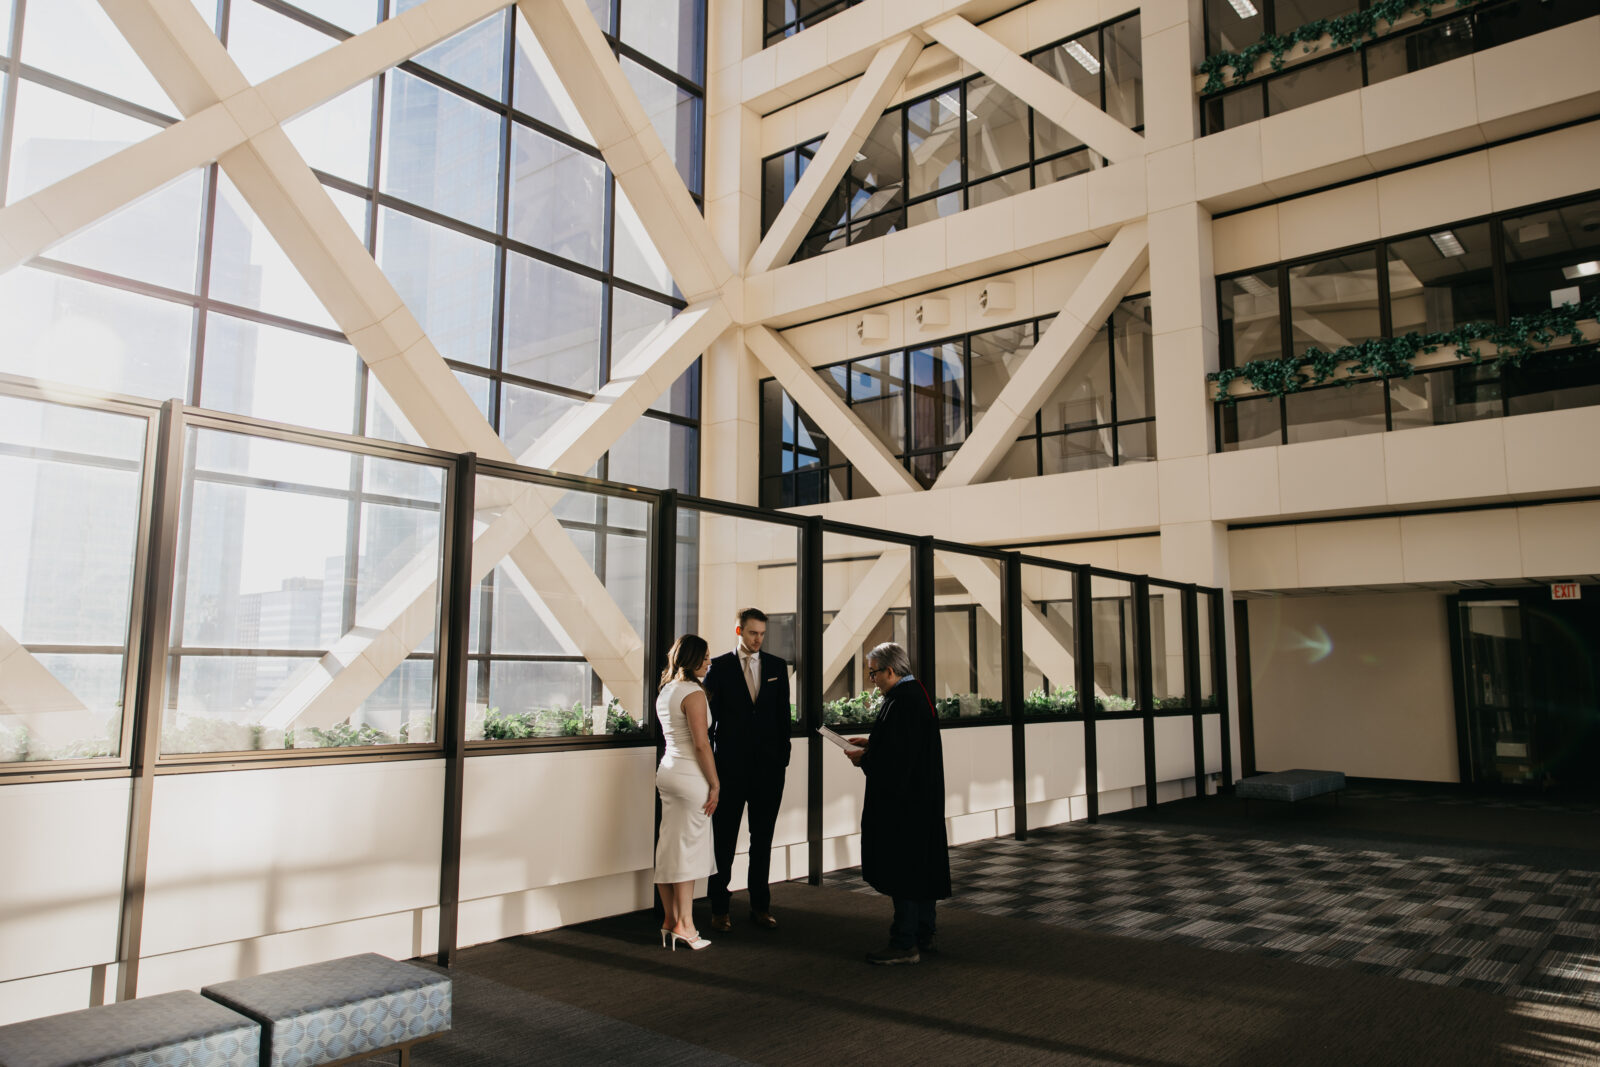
{"x": 968, "y": 668}
{"x": 68, "y": 544}
{"x": 866, "y": 600}
{"x": 727, "y": 564}
{"x": 559, "y": 611}
{"x": 304, "y": 603}
{"x": 1049, "y": 643}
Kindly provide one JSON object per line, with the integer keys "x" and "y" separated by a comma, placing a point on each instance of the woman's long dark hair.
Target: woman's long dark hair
{"x": 687, "y": 653}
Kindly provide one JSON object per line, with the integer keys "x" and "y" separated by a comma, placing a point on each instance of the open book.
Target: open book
{"x": 838, "y": 739}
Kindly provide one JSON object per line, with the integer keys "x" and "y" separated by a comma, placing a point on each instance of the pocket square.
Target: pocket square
{"x": 774, "y": 678}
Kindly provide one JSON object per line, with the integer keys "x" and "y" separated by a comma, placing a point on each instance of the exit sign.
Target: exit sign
{"x": 1565, "y": 591}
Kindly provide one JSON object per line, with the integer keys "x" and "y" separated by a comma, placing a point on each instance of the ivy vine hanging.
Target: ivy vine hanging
{"x": 1345, "y": 31}
{"x": 1525, "y": 339}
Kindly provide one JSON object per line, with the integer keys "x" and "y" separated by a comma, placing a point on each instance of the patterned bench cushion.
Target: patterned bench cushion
{"x": 328, "y": 1011}
{"x": 1290, "y": 785}
{"x": 161, "y": 1031}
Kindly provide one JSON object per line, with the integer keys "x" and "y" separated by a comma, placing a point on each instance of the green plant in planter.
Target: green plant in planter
{"x": 340, "y": 735}
{"x": 1345, "y": 31}
{"x": 1522, "y": 341}
{"x": 1062, "y": 701}
{"x": 618, "y": 721}
{"x": 1112, "y": 702}
{"x": 852, "y": 711}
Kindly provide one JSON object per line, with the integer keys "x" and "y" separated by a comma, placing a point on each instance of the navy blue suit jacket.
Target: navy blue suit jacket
{"x": 748, "y": 735}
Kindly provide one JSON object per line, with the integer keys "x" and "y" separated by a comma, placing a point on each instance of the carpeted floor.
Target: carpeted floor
{"x": 1441, "y": 933}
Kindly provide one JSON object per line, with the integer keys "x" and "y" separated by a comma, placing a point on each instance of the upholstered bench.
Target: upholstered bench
{"x": 340, "y": 1011}
{"x": 1290, "y": 786}
{"x": 161, "y": 1031}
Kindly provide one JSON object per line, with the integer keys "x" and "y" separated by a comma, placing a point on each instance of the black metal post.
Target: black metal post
{"x": 808, "y": 675}
{"x": 1191, "y": 682}
{"x": 1083, "y": 662}
{"x": 456, "y": 630}
{"x": 920, "y": 624}
{"x": 1241, "y": 651}
{"x": 1011, "y": 690}
{"x": 661, "y": 628}
{"x": 1219, "y": 684}
{"x": 150, "y": 687}
{"x": 1145, "y": 683}
{"x": 660, "y": 631}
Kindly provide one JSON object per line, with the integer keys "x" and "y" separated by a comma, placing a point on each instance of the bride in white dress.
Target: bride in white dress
{"x": 687, "y": 781}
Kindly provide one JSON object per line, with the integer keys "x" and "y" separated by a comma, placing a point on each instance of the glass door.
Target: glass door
{"x": 1531, "y": 690}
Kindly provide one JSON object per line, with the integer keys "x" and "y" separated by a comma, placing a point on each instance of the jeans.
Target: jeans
{"x": 913, "y": 924}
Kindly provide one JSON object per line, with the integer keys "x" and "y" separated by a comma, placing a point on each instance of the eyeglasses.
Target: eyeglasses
{"x": 876, "y": 671}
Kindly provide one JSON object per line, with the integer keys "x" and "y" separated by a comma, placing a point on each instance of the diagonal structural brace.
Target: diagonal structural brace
{"x": 1052, "y": 100}
{"x": 866, "y": 105}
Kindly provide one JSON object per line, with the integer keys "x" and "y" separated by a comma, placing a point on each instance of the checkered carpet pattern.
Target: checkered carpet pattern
{"x": 1517, "y": 931}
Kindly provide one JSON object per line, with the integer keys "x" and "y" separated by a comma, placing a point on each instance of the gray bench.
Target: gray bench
{"x": 172, "y": 1028}
{"x": 1290, "y": 786}
{"x": 340, "y": 1011}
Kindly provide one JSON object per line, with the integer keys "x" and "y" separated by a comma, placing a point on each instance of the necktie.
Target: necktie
{"x": 752, "y": 679}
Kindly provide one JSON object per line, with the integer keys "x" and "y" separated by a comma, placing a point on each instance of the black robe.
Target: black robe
{"x": 904, "y": 851}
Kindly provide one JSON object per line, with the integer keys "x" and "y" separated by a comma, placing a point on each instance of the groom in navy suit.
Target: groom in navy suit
{"x": 749, "y": 696}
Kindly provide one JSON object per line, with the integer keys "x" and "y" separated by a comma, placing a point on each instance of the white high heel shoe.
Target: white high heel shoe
{"x": 695, "y": 942}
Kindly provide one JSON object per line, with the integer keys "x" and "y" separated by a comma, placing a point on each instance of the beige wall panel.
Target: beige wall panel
{"x": 1313, "y": 145}
{"x": 1129, "y": 497}
{"x": 1538, "y": 80}
{"x": 1248, "y": 239}
{"x": 1184, "y": 486}
{"x": 1244, "y": 484}
{"x": 1460, "y": 462}
{"x": 1055, "y": 760}
{"x": 1435, "y": 195}
{"x": 231, "y": 858}
{"x": 61, "y": 898}
{"x": 1228, "y": 167}
{"x": 1140, "y": 555}
{"x": 1267, "y": 558}
{"x": 1560, "y": 539}
{"x": 1344, "y": 472}
{"x": 1397, "y": 130}
{"x": 1552, "y": 451}
{"x": 1333, "y": 219}
{"x": 1359, "y": 684}
{"x": 1561, "y": 163}
{"x": 1364, "y": 552}
{"x": 1469, "y": 544}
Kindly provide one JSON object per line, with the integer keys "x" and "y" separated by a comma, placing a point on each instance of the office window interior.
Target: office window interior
{"x": 1444, "y": 33}
{"x": 1483, "y": 270}
{"x": 923, "y": 402}
{"x": 965, "y": 144}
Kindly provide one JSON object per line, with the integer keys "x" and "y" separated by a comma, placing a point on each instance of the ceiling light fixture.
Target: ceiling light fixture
{"x": 1581, "y": 270}
{"x": 1447, "y": 243}
{"x": 1244, "y": 8}
{"x": 1081, "y": 54}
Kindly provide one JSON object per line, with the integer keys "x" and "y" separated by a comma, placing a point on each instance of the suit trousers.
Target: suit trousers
{"x": 762, "y": 791}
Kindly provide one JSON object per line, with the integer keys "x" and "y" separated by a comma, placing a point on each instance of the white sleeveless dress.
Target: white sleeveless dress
{"x": 684, "y": 851}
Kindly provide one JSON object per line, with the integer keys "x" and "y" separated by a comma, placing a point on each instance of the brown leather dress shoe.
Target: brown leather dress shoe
{"x": 764, "y": 920}
{"x": 722, "y": 922}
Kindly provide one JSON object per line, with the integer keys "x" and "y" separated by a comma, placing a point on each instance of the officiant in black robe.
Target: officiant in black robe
{"x": 904, "y": 851}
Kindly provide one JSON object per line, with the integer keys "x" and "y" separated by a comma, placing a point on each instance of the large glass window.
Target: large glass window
{"x": 472, "y": 180}
{"x": 1232, "y": 25}
{"x": 1476, "y": 271}
{"x": 964, "y": 145}
{"x": 922, "y": 403}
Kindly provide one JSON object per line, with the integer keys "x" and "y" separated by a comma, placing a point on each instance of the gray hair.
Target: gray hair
{"x": 892, "y": 657}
